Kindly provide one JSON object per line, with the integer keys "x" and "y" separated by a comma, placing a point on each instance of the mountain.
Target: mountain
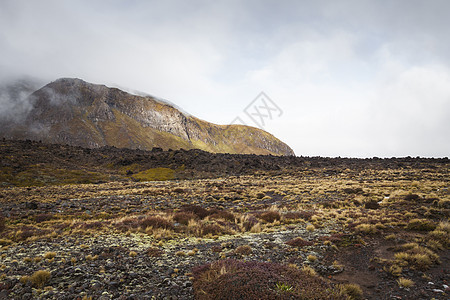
{"x": 78, "y": 113}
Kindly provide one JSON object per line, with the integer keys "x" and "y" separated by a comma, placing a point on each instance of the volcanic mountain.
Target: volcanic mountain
{"x": 78, "y": 113}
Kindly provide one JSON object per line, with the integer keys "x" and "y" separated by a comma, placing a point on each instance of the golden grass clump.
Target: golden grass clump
{"x": 312, "y": 258}
{"x": 405, "y": 283}
{"x": 49, "y": 255}
{"x": 256, "y": 228}
{"x": 310, "y": 227}
{"x": 90, "y": 257}
{"x": 419, "y": 257}
{"x": 390, "y": 237}
{"x": 441, "y": 234}
{"x": 351, "y": 290}
{"x": 309, "y": 270}
{"x": 395, "y": 270}
{"x": 421, "y": 225}
{"x": 38, "y": 279}
{"x": 366, "y": 228}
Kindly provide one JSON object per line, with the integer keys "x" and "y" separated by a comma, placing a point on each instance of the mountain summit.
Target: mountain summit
{"x": 75, "y": 112}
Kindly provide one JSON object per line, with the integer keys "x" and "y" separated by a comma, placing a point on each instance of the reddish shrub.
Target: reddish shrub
{"x": 216, "y": 249}
{"x": 213, "y": 229}
{"x": 128, "y": 223}
{"x": 27, "y": 232}
{"x": 183, "y": 217}
{"x": 235, "y": 279}
{"x": 156, "y": 222}
{"x": 92, "y": 225}
{"x": 221, "y": 214}
{"x": 243, "y": 250}
{"x": 198, "y": 210}
{"x": 305, "y": 215}
{"x": 336, "y": 237}
{"x": 299, "y": 242}
{"x": 270, "y": 216}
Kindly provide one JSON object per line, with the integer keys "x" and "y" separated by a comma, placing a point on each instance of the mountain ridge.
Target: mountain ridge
{"x": 75, "y": 112}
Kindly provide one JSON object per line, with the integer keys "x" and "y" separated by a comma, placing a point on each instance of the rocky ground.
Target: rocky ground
{"x": 375, "y": 223}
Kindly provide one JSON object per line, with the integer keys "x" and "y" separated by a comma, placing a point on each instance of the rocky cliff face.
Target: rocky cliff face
{"x": 78, "y": 113}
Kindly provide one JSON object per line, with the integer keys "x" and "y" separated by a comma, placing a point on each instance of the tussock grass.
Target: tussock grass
{"x": 405, "y": 283}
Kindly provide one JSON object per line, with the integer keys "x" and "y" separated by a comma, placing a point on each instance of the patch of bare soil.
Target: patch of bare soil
{"x": 360, "y": 266}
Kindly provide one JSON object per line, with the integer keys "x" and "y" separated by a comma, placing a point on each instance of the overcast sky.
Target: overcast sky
{"x": 352, "y": 78}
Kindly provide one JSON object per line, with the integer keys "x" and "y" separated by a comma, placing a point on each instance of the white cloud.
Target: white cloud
{"x": 354, "y": 78}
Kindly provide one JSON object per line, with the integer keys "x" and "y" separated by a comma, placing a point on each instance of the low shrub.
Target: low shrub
{"x": 92, "y": 225}
{"x": 235, "y": 279}
{"x": 212, "y": 229}
{"x": 299, "y": 242}
{"x": 155, "y": 222}
{"x": 221, "y": 214}
{"x": 270, "y": 216}
{"x": 334, "y": 238}
{"x": 197, "y": 210}
{"x": 183, "y": 217}
{"x": 305, "y": 215}
{"x": 243, "y": 250}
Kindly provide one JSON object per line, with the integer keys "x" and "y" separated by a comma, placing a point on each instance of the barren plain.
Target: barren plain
{"x": 112, "y": 223}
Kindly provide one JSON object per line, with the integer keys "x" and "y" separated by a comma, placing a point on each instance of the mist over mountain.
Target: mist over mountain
{"x": 75, "y": 112}
{"x": 14, "y": 93}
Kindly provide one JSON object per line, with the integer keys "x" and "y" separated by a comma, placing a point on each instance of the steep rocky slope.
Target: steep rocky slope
{"x": 74, "y": 112}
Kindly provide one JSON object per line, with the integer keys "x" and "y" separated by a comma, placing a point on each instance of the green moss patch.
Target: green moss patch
{"x": 155, "y": 174}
